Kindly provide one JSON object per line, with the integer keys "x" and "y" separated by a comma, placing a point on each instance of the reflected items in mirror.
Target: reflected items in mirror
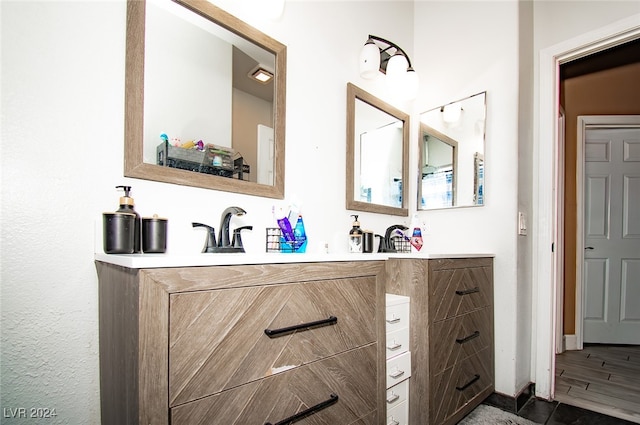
{"x": 452, "y": 139}
{"x": 438, "y": 173}
{"x": 201, "y": 158}
{"x": 377, "y": 154}
{"x": 195, "y": 114}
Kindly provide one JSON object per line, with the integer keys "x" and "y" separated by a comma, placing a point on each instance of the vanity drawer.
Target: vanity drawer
{"x": 397, "y": 394}
{"x": 351, "y": 376}
{"x": 457, "y": 386}
{"x": 206, "y": 357}
{"x": 455, "y": 339}
{"x": 398, "y": 369}
{"x": 399, "y": 415}
{"x": 397, "y": 312}
{"x": 397, "y": 342}
{"x": 456, "y": 291}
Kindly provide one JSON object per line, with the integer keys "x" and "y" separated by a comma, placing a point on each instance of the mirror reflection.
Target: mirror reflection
{"x": 377, "y": 140}
{"x": 205, "y": 100}
{"x": 451, "y": 148}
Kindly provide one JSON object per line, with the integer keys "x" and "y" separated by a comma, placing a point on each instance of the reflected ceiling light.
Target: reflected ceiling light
{"x": 382, "y": 56}
{"x": 451, "y": 113}
{"x": 261, "y": 75}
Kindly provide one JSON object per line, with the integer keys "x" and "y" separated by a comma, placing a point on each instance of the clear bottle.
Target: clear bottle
{"x": 355, "y": 237}
{"x": 126, "y": 206}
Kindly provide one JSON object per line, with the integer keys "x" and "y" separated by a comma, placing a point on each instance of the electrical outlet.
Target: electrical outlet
{"x": 522, "y": 223}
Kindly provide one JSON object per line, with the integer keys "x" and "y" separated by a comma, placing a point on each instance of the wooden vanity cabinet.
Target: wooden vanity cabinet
{"x": 451, "y": 334}
{"x": 189, "y": 346}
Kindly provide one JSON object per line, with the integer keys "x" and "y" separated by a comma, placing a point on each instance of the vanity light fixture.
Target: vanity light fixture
{"x": 261, "y": 75}
{"x": 380, "y": 55}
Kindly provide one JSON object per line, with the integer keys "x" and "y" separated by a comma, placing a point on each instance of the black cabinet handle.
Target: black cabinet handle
{"x": 468, "y": 291}
{"x": 468, "y": 338}
{"x": 333, "y": 398}
{"x": 465, "y": 386}
{"x": 274, "y": 333}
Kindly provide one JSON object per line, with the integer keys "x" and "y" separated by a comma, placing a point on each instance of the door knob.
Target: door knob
{"x": 589, "y": 247}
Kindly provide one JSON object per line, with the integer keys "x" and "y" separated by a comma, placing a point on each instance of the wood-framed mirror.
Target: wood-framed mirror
{"x": 193, "y": 115}
{"x": 377, "y": 155}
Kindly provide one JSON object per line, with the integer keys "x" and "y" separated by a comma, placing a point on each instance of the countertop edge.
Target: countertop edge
{"x": 146, "y": 261}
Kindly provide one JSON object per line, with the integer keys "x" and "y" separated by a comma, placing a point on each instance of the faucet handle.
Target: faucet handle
{"x": 237, "y": 237}
{"x": 382, "y": 244}
{"x": 210, "y": 242}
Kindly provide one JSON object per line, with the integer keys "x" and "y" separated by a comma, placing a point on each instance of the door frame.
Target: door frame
{"x": 586, "y": 123}
{"x": 545, "y": 197}
{"x": 558, "y": 236}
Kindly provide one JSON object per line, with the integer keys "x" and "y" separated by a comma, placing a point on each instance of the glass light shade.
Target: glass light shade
{"x": 401, "y": 80}
{"x": 411, "y": 84}
{"x": 369, "y": 61}
{"x": 451, "y": 113}
{"x": 397, "y": 67}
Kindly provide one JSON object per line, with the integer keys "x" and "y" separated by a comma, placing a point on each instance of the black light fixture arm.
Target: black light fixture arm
{"x": 385, "y": 59}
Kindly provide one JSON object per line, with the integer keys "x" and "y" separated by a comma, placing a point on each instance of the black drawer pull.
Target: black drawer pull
{"x": 274, "y": 333}
{"x": 333, "y": 398}
{"x": 468, "y": 384}
{"x": 468, "y": 338}
{"x": 468, "y": 291}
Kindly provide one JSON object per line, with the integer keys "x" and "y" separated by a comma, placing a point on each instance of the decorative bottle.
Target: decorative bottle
{"x": 355, "y": 237}
{"x": 126, "y": 206}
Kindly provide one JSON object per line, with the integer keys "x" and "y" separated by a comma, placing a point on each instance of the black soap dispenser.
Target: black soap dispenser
{"x": 126, "y": 206}
{"x": 355, "y": 237}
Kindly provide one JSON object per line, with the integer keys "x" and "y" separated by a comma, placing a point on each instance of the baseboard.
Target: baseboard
{"x": 511, "y": 404}
{"x": 570, "y": 342}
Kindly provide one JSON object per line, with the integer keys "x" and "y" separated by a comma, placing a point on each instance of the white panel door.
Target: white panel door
{"x": 265, "y": 160}
{"x": 611, "y": 296}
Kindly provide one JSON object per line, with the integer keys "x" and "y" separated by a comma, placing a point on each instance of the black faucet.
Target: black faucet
{"x": 224, "y": 241}
{"x": 224, "y": 244}
{"x": 387, "y": 244}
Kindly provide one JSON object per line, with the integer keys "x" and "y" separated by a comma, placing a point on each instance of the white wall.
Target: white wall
{"x": 457, "y": 55}
{"x": 62, "y": 156}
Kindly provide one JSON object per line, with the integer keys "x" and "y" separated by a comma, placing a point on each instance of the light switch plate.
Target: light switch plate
{"x": 522, "y": 223}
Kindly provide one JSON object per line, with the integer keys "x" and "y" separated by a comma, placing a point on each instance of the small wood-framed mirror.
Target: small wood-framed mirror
{"x": 188, "y": 120}
{"x": 377, "y": 155}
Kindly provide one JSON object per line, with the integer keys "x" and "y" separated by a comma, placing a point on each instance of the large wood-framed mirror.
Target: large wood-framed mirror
{"x": 377, "y": 154}
{"x": 451, "y": 146}
{"x": 193, "y": 114}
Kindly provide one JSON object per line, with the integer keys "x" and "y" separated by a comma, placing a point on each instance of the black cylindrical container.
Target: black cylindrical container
{"x": 367, "y": 242}
{"x": 118, "y": 233}
{"x": 154, "y": 234}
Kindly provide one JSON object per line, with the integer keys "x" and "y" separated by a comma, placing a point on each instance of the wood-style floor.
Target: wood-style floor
{"x": 601, "y": 378}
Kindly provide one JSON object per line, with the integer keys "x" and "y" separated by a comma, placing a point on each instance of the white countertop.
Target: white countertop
{"x": 146, "y": 261}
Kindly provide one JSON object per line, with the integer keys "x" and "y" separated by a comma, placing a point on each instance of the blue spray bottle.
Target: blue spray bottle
{"x": 300, "y": 236}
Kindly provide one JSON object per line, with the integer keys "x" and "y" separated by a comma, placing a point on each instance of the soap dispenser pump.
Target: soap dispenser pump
{"x": 355, "y": 237}
{"x": 126, "y": 206}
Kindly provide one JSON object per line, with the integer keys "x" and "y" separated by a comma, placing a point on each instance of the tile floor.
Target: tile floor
{"x": 554, "y": 413}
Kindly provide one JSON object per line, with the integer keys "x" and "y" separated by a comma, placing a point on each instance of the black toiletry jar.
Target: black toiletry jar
{"x": 154, "y": 234}
{"x": 118, "y": 232}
